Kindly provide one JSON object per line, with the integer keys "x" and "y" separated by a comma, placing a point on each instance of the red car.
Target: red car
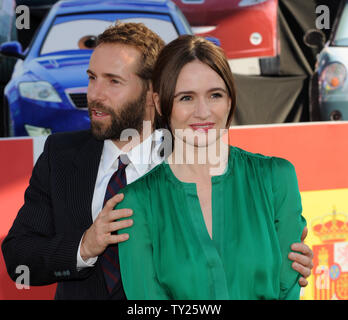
{"x": 245, "y": 28}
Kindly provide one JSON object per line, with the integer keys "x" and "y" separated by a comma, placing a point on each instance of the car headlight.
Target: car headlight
{"x": 333, "y": 76}
{"x": 39, "y": 90}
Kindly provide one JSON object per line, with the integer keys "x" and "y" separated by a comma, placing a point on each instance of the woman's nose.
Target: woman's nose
{"x": 202, "y": 109}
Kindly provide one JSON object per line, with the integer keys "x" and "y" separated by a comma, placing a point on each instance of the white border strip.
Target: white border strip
{"x": 38, "y": 146}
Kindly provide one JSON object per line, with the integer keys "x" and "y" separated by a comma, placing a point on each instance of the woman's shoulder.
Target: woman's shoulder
{"x": 140, "y": 189}
{"x": 147, "y": 180}
{"x": 252, "y": 158}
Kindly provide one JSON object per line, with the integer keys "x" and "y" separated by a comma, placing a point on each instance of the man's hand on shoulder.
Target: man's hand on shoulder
{"x": 99, "y": 235}
{"x": 303, "y": 259}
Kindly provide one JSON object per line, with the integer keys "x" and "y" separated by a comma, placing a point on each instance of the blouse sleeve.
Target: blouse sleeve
{"x": 288, "y": 221}
{"x": 137, "y": 264}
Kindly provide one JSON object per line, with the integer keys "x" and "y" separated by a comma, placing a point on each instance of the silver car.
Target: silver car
{"x": 329, "y": 90}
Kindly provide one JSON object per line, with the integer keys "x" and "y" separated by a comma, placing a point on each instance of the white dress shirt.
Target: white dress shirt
{"x": 142, "y": 158}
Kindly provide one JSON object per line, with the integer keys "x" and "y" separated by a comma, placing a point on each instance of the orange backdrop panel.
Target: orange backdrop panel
{"x": 319, "y": 151}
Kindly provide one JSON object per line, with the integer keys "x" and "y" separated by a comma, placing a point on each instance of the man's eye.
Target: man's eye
{"x": 90, "y": 77}
{"x": 115, "y": 81}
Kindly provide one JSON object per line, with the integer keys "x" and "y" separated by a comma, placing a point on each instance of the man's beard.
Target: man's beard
{"x": 129, "y": 116}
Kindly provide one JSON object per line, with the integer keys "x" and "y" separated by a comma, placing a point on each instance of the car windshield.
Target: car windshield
{"x": 341, "y": 36}
{"x": 74, "y": 32}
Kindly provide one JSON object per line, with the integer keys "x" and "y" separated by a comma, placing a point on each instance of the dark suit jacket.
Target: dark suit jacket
{"x": 57, "y": 211}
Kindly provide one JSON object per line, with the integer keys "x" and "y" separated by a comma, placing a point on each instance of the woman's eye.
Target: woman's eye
{"x": 185, "y": 98}
{"x": 216, "y": 95}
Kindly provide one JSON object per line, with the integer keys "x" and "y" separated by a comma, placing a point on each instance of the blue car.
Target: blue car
{"x": 47, "y": 92}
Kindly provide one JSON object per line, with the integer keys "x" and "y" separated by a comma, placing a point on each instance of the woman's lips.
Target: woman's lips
{"x": 202, "y": 126}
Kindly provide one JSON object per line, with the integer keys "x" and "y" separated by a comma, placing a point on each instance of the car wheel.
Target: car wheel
{"x": 314, "y": 109}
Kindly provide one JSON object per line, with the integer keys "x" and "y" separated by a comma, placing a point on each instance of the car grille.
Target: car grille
{"x": 79, "y": 100}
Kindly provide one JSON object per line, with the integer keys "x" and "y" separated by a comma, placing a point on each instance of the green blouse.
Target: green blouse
{"x": 256, "y": 216}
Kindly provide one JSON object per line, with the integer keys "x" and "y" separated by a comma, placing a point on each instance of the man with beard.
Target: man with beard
{"x": 65, "y": 231}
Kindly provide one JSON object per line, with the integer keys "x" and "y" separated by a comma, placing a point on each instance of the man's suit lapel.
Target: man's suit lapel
{"x": 82, "y": 181}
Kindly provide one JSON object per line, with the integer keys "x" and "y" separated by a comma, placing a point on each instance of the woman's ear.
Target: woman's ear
{"x": 155, "y": 98}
